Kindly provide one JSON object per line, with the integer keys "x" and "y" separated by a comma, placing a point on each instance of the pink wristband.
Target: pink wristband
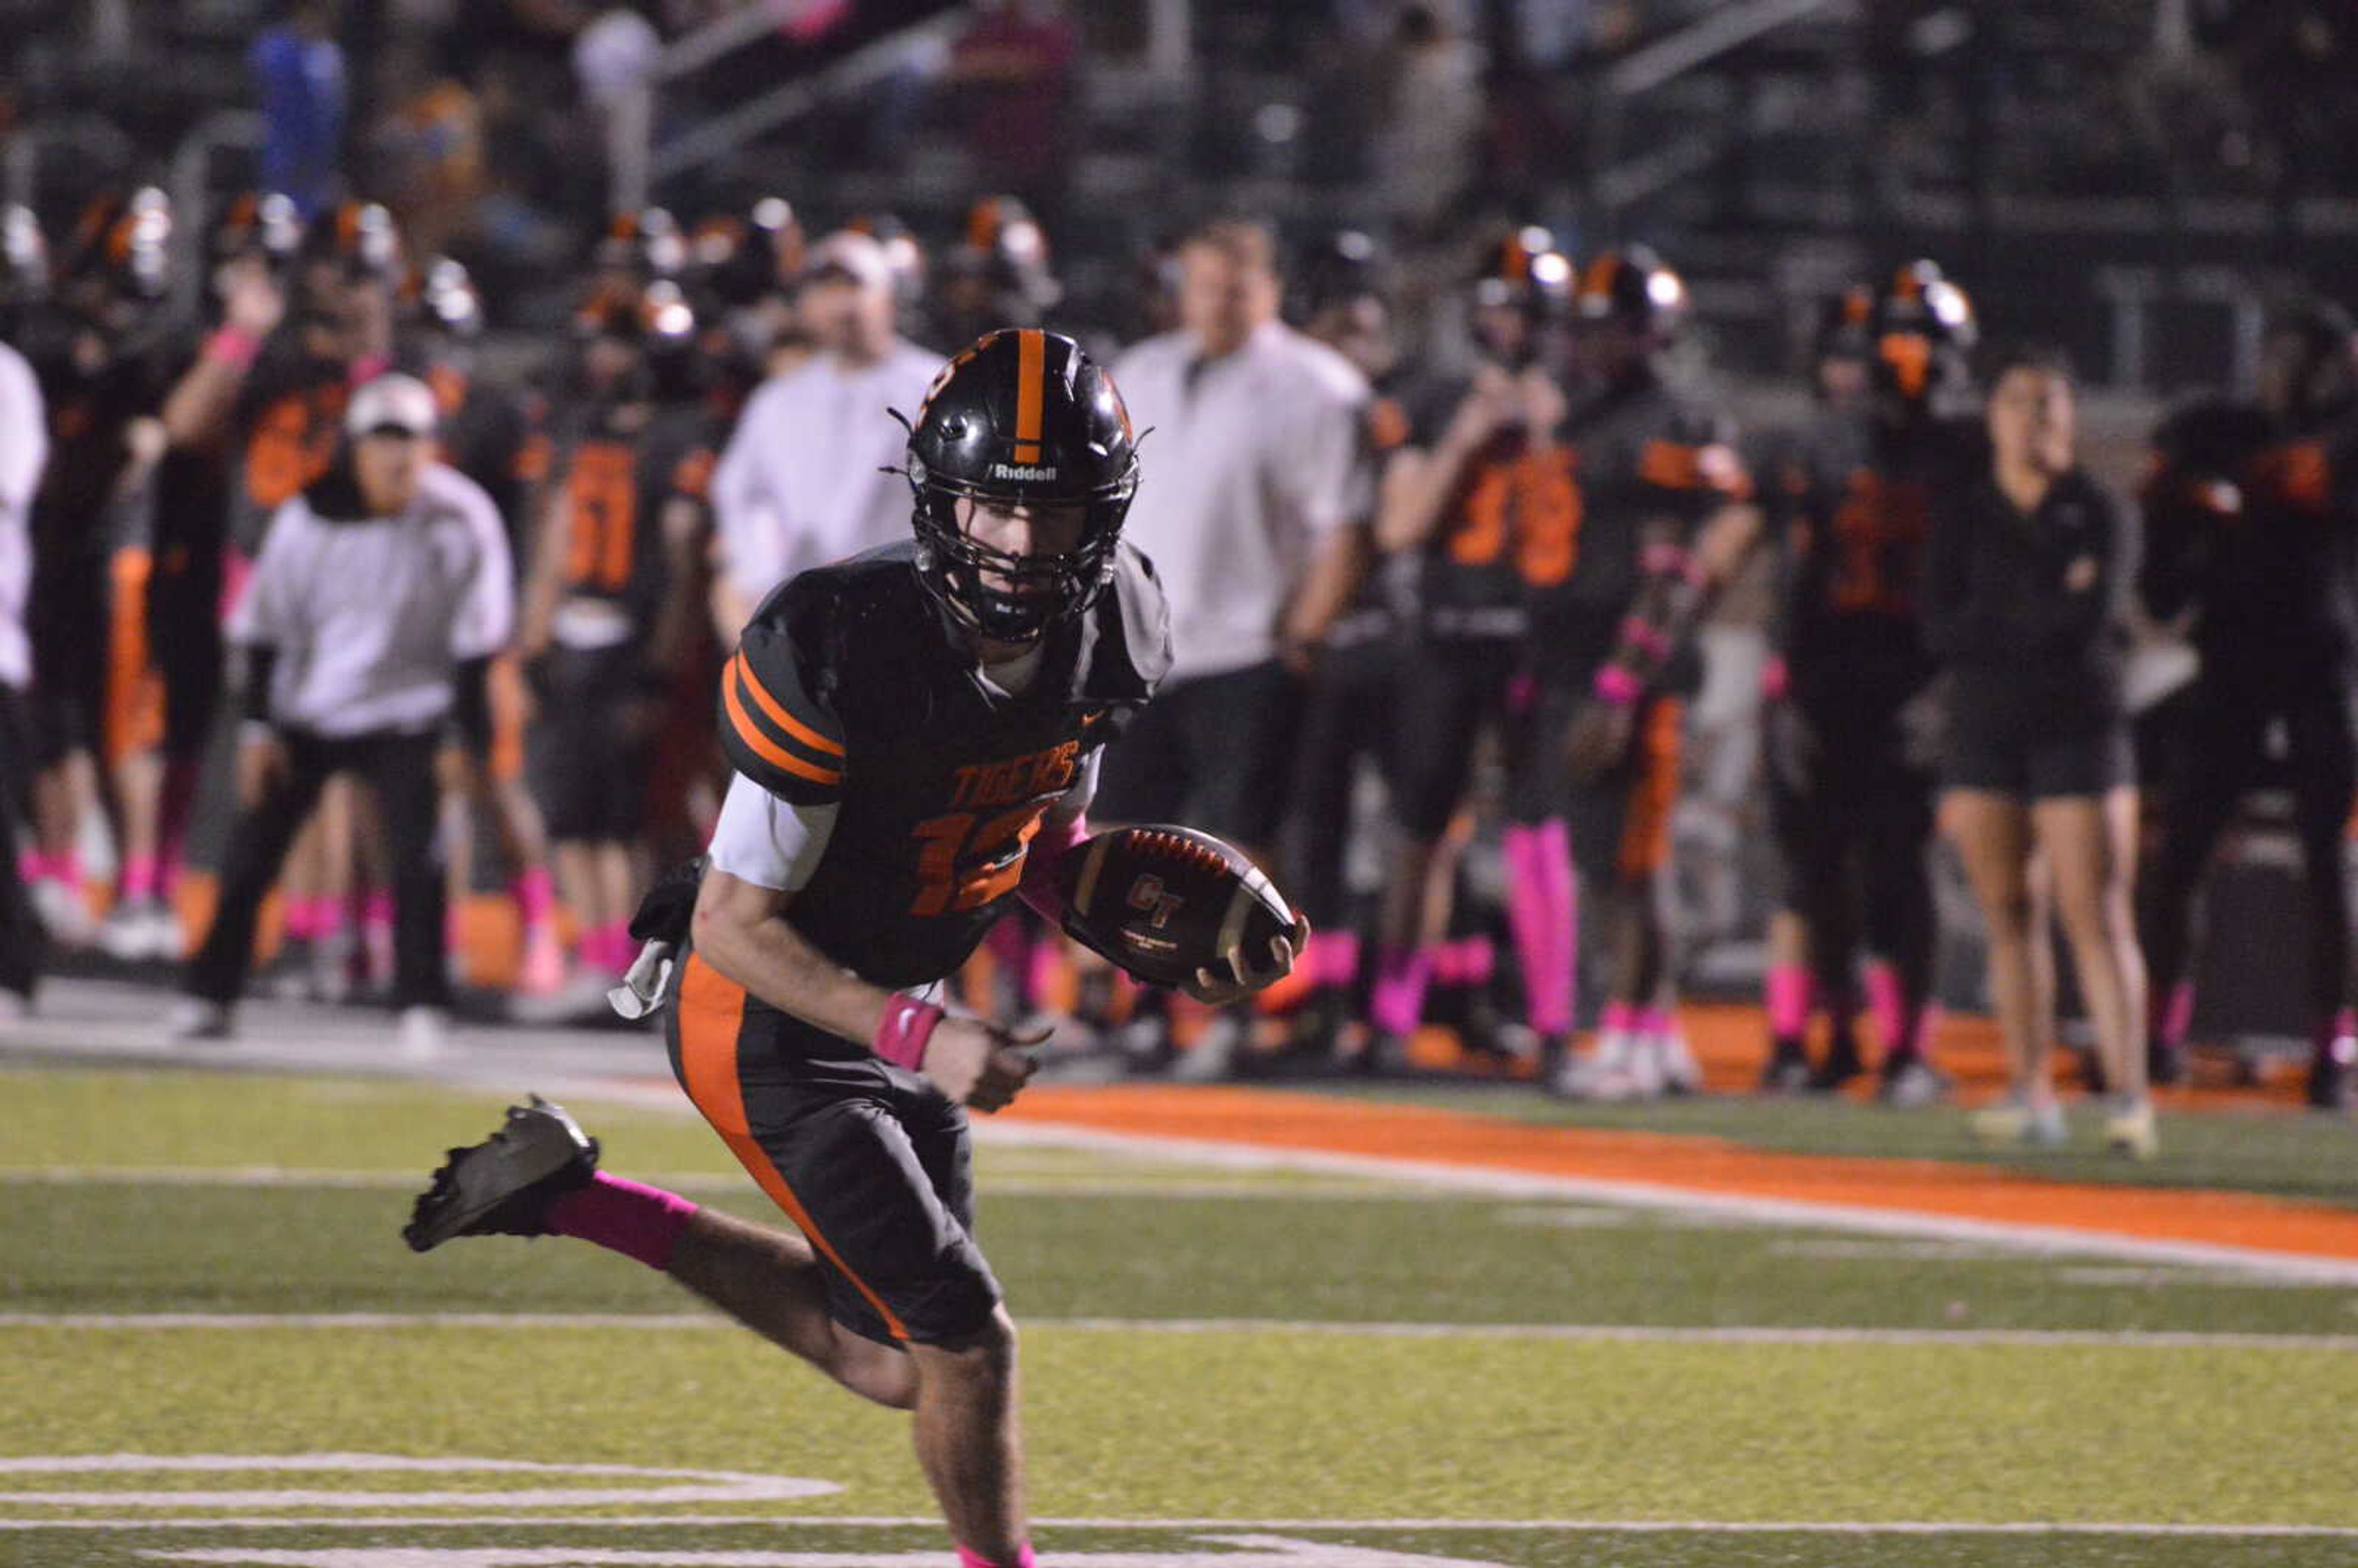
{"x": 1618, "y": 687}
{"x": 367, "y": 368}
{"x": 1646, "y": 637}
{"x": 902, "y": 1032}
{"x": 232, "y": 346}
{"x": 1776, "y": 679}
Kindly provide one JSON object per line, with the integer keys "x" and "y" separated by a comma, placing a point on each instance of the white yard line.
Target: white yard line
{"x": 925, "y": 1521}
{"x": 1642, "y": 1333}
{"x": 278, "y": 1177}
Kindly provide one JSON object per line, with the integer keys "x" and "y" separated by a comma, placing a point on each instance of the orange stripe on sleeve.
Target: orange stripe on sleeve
{"x": 1031, "y": 392}
{"x": 768, "y": 750}
{"x": 777, "y": 713}
{"x": 712, "y": 1014}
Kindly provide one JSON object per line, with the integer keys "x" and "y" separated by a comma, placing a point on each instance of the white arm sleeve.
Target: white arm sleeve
{"x": 769, "y": 842}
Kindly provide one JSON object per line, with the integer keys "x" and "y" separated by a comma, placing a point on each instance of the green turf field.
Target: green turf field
{"x": 1222, "y": 1367}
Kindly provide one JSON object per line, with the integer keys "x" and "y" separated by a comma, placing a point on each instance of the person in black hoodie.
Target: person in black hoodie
{"x": 2026, "y": 595}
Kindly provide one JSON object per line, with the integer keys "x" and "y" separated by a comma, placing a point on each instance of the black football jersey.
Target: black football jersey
{"x": 612, "y": 486}
{"x": 1850, "y": 501}
{"x": 2252, "y": 525}
{"x": 285, "y": 427}
{"x": 851, "y": 686}
{"x": 1504, "y": 529}
{"x": 1637, "y": 454}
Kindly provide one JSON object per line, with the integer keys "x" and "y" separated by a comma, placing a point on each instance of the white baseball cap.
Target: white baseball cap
{"x": 858, "y": 256}
{"x": 402, "y": 404}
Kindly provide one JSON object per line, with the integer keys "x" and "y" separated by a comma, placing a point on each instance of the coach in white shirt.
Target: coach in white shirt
{"x": 799, "y": 484}
{"x": 23, "y": 453}
{"x": 365, "y": 630}
{"x": 1249, "y": 479}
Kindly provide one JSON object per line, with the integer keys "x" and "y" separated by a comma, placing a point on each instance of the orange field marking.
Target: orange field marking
{"x": 1277, "y": 1120}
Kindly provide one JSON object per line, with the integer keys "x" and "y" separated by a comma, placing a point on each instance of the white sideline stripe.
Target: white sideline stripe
{"x": 1639, "y": 1333}
{"x": 2050, "y": 1240}
{"x": 927, "y": 1521}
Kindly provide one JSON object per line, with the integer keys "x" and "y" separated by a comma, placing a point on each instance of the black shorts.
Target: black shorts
{"x": 184, "y": 630}
{"x": 1619, "y": 821}
{"x": 1448, "y": 691}
{"x": 873, "y": 1164}
{"x": 2005, "y": 749}
{"x": 1857, "y": 782}
{"x": 589, "y": 749}
{"x": 1216, "y": 752}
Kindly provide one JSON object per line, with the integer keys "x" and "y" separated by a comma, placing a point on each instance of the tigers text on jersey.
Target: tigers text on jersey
{"x": 852, "y": 686}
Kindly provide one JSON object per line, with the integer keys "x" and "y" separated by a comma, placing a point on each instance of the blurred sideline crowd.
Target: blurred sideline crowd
{"x": 1442, "y": 594}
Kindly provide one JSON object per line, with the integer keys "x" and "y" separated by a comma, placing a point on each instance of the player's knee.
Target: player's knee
{"x": 981, "y": 1357}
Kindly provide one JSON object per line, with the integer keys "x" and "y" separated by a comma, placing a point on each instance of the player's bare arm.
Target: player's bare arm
{"x": 739, "y": 929}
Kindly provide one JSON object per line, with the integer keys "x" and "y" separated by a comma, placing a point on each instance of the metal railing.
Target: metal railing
{"x": 223, "y": 130}
{"x": 1616, "y": 181}
{"x": 640, "y": 165}
{"x": 92, "y": 138}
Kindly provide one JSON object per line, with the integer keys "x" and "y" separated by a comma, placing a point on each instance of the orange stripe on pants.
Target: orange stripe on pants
{"x": 134, "y": 691}
{"x": 711, "y": 1016}
{"x": 1646, "y": 832}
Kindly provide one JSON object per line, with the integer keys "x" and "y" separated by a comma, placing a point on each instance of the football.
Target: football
{"x": 1165, "y": 902}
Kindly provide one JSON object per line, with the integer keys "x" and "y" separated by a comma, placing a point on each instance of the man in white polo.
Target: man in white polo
{"x": 24, "y": 454}
{"x": 800, "y": 484}
{"x": 365, "y": 630}
{"x": 1257, "y": 432}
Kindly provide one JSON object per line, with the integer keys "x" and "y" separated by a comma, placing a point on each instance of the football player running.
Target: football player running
{"x": 917, "y": 732}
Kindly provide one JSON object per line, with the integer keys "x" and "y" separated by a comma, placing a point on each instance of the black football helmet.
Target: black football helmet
{"x": 1525, "y": 270}
{"x": 1633, "y": 287}
{"x": 359, "y": 237}
{"x": 261, "y": 224}
{"x": 123, "y": 244}
{"x": 1924, "y": 333}
{"x": 1021, "y": 417}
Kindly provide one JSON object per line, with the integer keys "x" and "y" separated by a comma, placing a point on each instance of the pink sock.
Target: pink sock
{"x": 1619, "y": 1016}
{"x": 1397, "y": 1004}
{"x": 969, "y": 1558}
{"x": 138, "y": 877}
{"x": 1895, "y": 1023}
{"x": 535, "y": 898}
{"x": 1788, "y": 995}
{"x": 1448, "y": 971}
{"x": 1655, "y": 1023}
{"x": 622, "y": 1216}
{"x": 1044, "y": 967}
{"x": 66, "y": 869}
{"x": 1334, "y": 958}
{"x": 2177, "y": 1014}
{"x": 1543, "y": 911}
{"x": 32, "y": 866}
{"x": 1478, "y": 960}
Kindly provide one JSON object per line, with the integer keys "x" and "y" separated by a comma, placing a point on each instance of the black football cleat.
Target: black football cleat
{"x": 2330, "y": 1071}
{"x": 1842, "y": 1065}
{"x": 2165, "y": 1064}
{"x": 503, "y": 1185}
{"x": 1787, "y": 1070}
